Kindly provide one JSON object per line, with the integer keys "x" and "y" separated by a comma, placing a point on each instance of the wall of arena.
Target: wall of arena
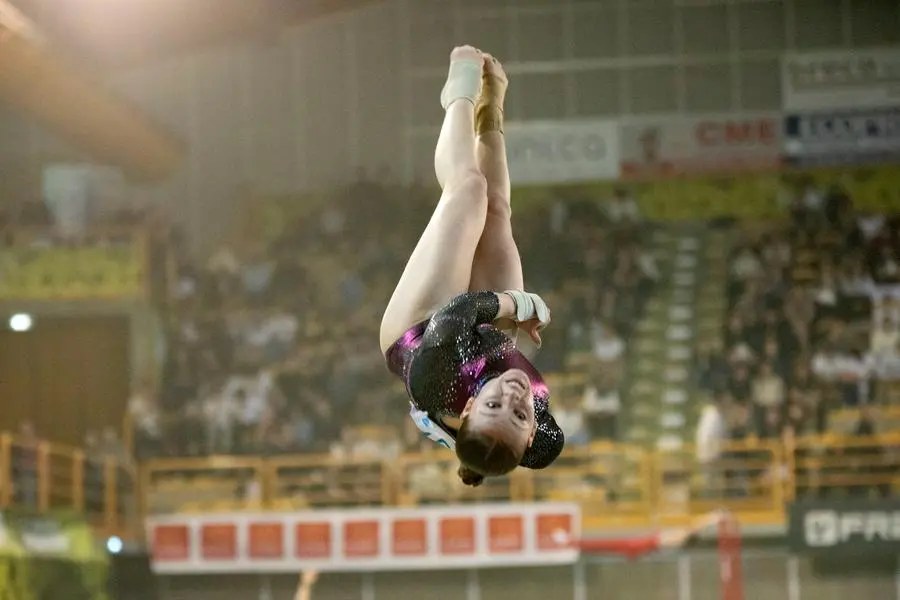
{"x": 304, "y": 108}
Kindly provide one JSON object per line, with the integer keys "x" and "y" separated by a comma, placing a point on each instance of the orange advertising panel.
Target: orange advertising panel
{"x": 366, "y": 540}
{"x": 266, "y": 540}
{"x": 410, "y": 537}
{"x": 218, "y": 541}
{"x": 506, "y": 534}
{"x": 312, "y": 540}
{"x": 457, "y": 535}
{"x": 171, "y": 542}
{"x": 554, "y": 532}
{"x": 361, "y": 539}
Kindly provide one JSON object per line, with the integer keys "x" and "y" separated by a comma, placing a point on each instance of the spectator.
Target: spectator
{"x": 884, "y": 337}
{"x": 853, "y": 370}
{"x": 767, "y": 388}
{"x": 144, "y": 414}
{"x": 740, "y": 385}
{"x": 711, "y": 437}
{"x": 745, "y": 264}
{"x": 623, "y": 209}
{"x": 601, "y": 405}
{"x": 712, "y": 371}
{"x": 609, "y": 348}
{"x": 223, "y": 263}
{"x": 799, "y": 311}
{"x": 112, "y": 447}
{"x": 771, "y": 423}
{"x": 886, "y": 267}
{"x": 571, "y": 419}
{"x": 221, "y": 412}
{"x": 740, "y": 429}
{"x": 826, "y": 293}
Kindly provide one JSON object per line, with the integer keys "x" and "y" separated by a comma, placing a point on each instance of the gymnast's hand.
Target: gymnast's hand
{"x": 532, "y": 314}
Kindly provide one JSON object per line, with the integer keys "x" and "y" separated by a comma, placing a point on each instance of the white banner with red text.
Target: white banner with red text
{"x": 670, "y": 146}
{"x": 842, "y": 79}
{"x": 448, "y": 537}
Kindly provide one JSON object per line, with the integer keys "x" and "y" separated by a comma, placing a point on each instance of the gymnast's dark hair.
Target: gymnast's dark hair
{"x": 482, "y": 455}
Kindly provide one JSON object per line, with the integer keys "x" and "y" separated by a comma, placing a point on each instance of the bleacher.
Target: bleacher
{"x": 646, "y": 464}
{"x": 639, "y": 305}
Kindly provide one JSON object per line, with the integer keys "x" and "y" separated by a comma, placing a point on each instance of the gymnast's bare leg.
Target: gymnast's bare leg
{"x": 440, "y": 266}
{"x": 497, "y": 264}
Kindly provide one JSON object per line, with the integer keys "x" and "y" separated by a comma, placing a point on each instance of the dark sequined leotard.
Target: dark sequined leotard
{"x": 445, "y": 360}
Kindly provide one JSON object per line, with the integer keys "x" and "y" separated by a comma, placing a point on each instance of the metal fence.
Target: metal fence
{"x": 767, "y": 575}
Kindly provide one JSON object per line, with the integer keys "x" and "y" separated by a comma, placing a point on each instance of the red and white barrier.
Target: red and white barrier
{"x": 448, "y": 537}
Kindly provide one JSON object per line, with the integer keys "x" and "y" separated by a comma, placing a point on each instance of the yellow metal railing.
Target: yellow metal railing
{"x": 617, "y": 485}
{"x": 45, "y": 476}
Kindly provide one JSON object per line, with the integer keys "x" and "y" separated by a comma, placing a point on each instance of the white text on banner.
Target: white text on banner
{"x": 652, "y": 148}
{"x": 842, "y": 137}
{"x": 840, "y": 79}
{"x": 562, "y": 151}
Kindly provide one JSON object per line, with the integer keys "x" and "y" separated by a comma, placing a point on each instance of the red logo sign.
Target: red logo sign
{"x": 554, "y": 532}
{"x": 312, "y": 540}
{"x": 171, "y": 542}
{"x": 266, "y": 540}
{"x": 457, "y": 535}
{"x": 361, "y": 539}
{"x": 754, "y": 132}
{"x": 218, "y": 541}
{"x": 506, "y": 534}
{"x": 410, "y": 537}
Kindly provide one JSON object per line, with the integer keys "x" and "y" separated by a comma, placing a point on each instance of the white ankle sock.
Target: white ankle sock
{"x": 463, "y": 82}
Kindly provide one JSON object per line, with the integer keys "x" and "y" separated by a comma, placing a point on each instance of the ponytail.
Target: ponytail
{"x": 470, "y": 477}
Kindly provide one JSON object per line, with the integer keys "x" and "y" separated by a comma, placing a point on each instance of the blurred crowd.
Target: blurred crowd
{"x": 271, "y": 344}
{"x": 812, "y": 326}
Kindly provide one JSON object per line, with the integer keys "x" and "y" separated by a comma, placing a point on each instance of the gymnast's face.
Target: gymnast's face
{"x": 504, "y": 405}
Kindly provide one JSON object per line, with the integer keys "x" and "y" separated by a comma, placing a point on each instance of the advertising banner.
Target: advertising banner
{"x": 50, "y": 556}
{"x": 845, "y": 527}
{"x": 101, "y": 266}
{"x": 841, "y": 79}
{"x": 562, "y": 151}
{"x": 709, "y": 144}
{"x": 376, "y": 539}
{"x": 842, "y": 137}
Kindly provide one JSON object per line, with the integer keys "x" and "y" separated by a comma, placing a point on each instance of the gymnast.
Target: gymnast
{"x": 450, "y": 328}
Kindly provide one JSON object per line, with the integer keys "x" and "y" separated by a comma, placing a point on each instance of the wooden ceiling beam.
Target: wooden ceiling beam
{"x": 65, "y": 100}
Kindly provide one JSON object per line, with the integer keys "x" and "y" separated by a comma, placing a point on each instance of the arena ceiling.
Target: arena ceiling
{"x": 119, "y": 33}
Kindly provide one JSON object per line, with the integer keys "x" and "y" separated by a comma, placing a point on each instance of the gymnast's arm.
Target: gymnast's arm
{"x": 457, "y": 318}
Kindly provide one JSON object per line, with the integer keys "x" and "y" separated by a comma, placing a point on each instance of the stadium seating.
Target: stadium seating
{"x": 273, "y": 395}
{"x": 625, "y": 360}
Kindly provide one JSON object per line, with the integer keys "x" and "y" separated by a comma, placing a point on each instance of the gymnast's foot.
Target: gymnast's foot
{"x": 489, "y": 107}
{"x": 464, "y": 77}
